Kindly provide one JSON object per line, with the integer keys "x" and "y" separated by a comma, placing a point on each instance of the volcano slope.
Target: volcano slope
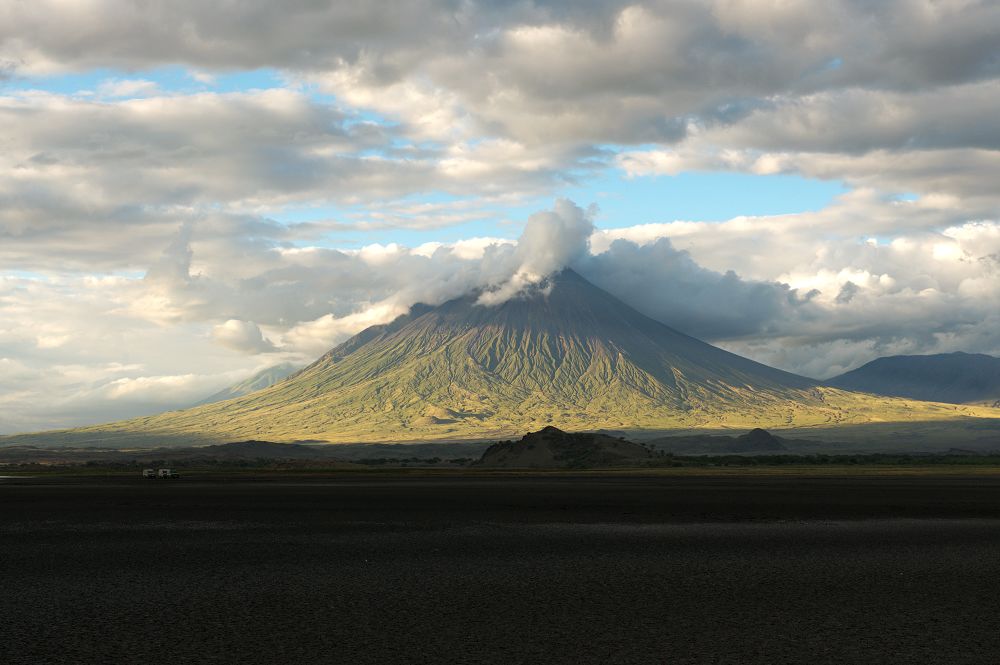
{"x": 564, "y": 352}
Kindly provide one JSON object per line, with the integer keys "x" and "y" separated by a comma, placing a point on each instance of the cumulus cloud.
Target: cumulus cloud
{"x": 316, "y": 337}
{"x": 70, "y": 395}
{"x": 492, "y": 100}
{"x": 941, "y": 143}
{"x": 128, "y": 88}
{"x": 550, "y": 241}
{"x": 80, "y": 193}
{"x": 110, "y": 363}
{"x": 668, "y": 285}
{"x": 532, "y": 72}
{"x": 49, "y": 35}
{"x": 921, "y": 291}
{"x": 244, "y": 336}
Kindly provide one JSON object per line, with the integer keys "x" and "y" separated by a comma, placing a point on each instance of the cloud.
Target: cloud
{"x": 554, "y": 239}
{"x": 847, "y": 293}
{"x": 492, "y": 100}
{"x": 88, "y": 197}
{"x": 941, "y": 143}
{"x": 926, "y": 289}
{"x": 531, "y": 72}
{"x": 551, "y": 240}
{"x": 243, "y": 336}
{"x": 109, "y": 365}
{"x": 204, "y": 78}
{"x": 668, "y": 285}
{"x": 56, "y": 36}
{"x": 318, "y": 336}
{"x": 128, "y": 88}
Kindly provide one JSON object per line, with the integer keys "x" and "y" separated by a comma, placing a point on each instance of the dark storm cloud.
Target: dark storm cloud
{"x": 668, "y": 285}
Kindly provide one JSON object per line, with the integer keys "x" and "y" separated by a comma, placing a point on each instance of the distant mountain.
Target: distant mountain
{"x": 553, "y": 448}
{"x": 263, "y": 379}
{"x": 958, "y": 378}
{"x": 562, "y": 352}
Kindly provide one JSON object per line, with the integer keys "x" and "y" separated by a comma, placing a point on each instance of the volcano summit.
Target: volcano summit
{"x": 562, "y": 351}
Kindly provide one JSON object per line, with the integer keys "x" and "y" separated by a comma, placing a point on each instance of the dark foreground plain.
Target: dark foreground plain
{"x": 456, "y": 568}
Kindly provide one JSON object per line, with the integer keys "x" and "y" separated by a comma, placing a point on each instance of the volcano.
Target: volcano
{"x": 561, "y": 352}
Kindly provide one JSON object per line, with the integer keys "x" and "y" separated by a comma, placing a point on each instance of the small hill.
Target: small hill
{"x": 259, "y": 450}
{"x": 956, "y": 378}
{"x": 263, "y": 379}
{"x": 755, "y": 441}
{"x": 552, "y": 448}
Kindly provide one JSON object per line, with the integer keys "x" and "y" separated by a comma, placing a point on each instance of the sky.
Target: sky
{"x": 193, "y": 191}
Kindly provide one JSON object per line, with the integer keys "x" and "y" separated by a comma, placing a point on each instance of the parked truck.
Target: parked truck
{"x": 160, "y": 473}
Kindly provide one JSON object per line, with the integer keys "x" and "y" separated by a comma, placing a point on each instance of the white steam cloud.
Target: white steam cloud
{"x": 551, "y": 240}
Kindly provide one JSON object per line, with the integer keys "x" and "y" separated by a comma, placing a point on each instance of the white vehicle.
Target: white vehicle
{"x": 149, "y": 473}
{"x": 167, "y": 473}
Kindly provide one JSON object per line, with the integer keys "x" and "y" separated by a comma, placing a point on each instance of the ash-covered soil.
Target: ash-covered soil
{"x": 501, "y": 570}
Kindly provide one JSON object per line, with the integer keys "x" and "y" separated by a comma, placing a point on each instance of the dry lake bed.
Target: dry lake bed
{"x": 469, "y": 568}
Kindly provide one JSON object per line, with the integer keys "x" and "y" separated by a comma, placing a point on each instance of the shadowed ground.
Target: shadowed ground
{"x": 562, "y": 569}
